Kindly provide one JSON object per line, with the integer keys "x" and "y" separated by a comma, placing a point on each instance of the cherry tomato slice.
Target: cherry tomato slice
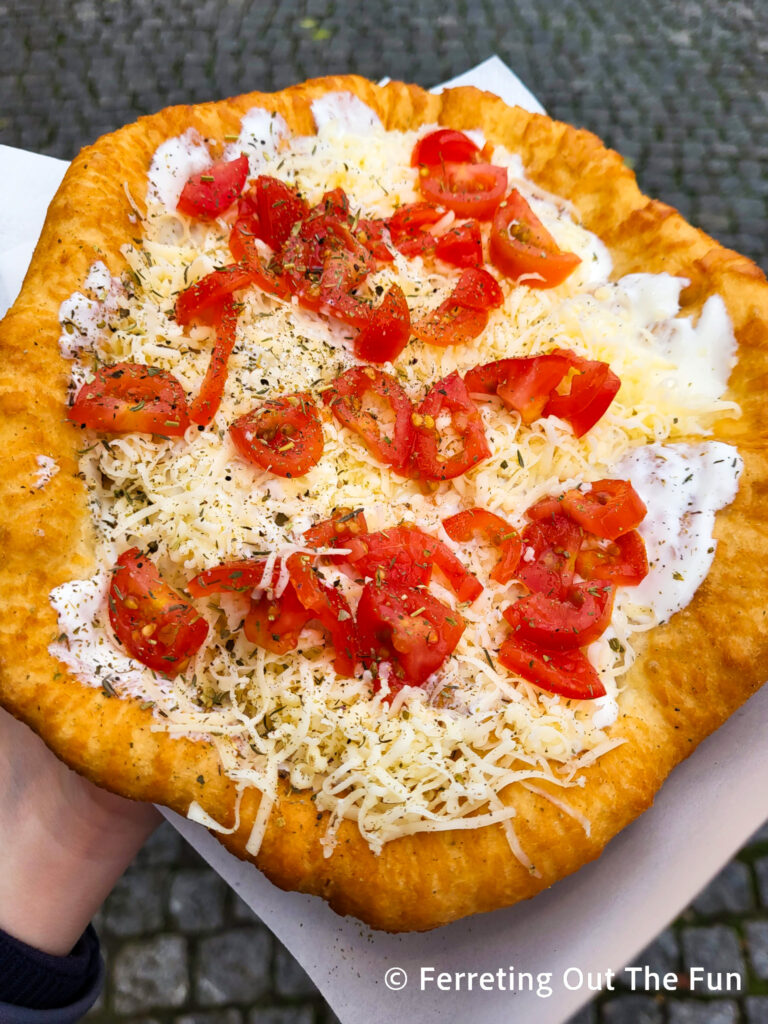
{"x": 387, "y": 332}
{"x": 524, "y": 384}
{"x": 272, "y": 208}
{"x": 244, "y": 248}
{"x": 520, "y": 244}
{"x": 450, "y": 324}
{"x": 465, "y": 525}
{"x": 373, "y": 404}
{"x": 470, "y": 190}
{"x": 211, "y": 192}
{"x": 206, "y": 404}
{"x": 461, "y": 245}
{"x": 563, "y": 624}
{"x": 623, "y": 561}
{"x": 344, "y": 524}
{"x": 567, "y": 673}
{"x": 445, "y": 145}
{"x": 477, "y": 289}
{"x": 206, "y": 296}
{"x": 275, "y": 623}
{"x": 609, "y": 509}
{"x": 405, "y": 556}
{"x": 155, "y": 624}
{"x": 329, "y": 607}
{"x": 283, "y": 435}
{"x": 408, "y": 228}
{"x": 370, "y": 233}
{"x": 128, "y": 397}
{"x": 443, "y": 458}
{"x": 235, "y": 577}
{"x": 408, "y": 628}
{"x": 547, "y": 567}
{"x": 593, "y": 388}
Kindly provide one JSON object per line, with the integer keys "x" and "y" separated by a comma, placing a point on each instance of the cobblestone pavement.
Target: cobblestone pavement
{"x": 679, "y": 87}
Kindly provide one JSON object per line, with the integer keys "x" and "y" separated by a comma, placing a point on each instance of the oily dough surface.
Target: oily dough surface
{"x": 691, "y": 674}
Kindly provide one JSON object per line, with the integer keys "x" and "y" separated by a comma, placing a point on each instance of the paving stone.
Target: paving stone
{"x": 151, "y": 974}
{"x": 241, "y": 911}
{"x": 165, "y": 843}
{"x": 196, "y": 901}
{"x": 283, "y": 1015}
{"x": 715, "y": 950}
{"x": 290, "y": 977}
{"x": 757, "y": 946}
{"x": 729, "y": 892}
{"x": 136, "y": 904}
{"x": 633, "y": 1010}
{"x": 661, "y": 957}
{"x": 234, "y": 967}
{"x": 229, "y": 1016}
{"x": 689, "y": 1011}
{"x": 761, "y": 873}
{"x": 757, "y": 1009}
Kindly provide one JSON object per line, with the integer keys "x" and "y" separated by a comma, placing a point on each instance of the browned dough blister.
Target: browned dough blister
{"x": 691, "y": 674}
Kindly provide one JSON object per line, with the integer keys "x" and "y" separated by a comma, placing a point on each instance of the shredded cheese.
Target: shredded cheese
{"x": 439, "y": 757}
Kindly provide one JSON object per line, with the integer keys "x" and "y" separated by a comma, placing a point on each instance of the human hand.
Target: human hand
{"x": 63, "y": 842}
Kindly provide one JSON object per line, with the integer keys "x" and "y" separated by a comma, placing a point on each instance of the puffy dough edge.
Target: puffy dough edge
{"x": 671, "y": 702}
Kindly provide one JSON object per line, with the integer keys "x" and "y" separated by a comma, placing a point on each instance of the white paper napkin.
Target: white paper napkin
{"x": 585, "y": 925}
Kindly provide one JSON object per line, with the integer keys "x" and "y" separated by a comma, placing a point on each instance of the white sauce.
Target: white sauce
{"x": 261, "y": 134}
{"x": 89, "y": 651}
{"x": 84, "y": 317}
{"x": 703, "y": 355}
{"x": 346, "y": 112}
{"x": 174, "y": 162}
{"x": 683, "y": 486}
{"x": 47, "y": 470}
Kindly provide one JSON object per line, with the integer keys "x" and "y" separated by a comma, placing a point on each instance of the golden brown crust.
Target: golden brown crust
{"x": 692, "y": 674}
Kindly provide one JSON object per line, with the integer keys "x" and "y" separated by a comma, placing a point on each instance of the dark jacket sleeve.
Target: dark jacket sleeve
{"x": 37, "y": 988}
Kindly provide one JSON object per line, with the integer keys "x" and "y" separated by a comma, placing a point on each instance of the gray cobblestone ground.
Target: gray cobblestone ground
{"x": 679, "y": 87}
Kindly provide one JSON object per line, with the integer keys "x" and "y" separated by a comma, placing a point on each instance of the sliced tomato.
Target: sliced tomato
{"x": 440, "y": 454}
{"x": 283, "y": 435}
{"x": 520, "y": 244}
{"x": 477, "y": 289}
{"x": 576, "y": 619}
{"x": 206, "y": 296}
{"x": 344, "y": 524}
{"x": 524, "y": 384}
{"x": 408, "y": 628}
{"x": 408, "y": 228}
{"x": 406, "y": 556}
{"x": 370, "y": 233}
{"x": 128, "y": 397}
{"x": 550, "y": 547}
{"x": 445, "y": 145}
{"x": 623, "y": 561}
{"x": 567, "y": 673}
{"x": 466, "y": 525}
{"x": 609, "y": 509}
{"x": 461, "y": 245}
{"x": 206, "y": 404}
{"x": 470, "y": 190}
{"x": 450, "y": 324}
{"x": 234, "y": 577}
{"x": 243, "y": 246}
{"x": 387, "y": 332}
{"x": 329, "y": 607}
{"x": 275, "y": 623}
{"x": 211, "y": 192}
{"x": 373, "y": 404}
{"x": 154, "y": 623}
{"x": 593, "y": 388}
{"x": 272, "y": 208}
